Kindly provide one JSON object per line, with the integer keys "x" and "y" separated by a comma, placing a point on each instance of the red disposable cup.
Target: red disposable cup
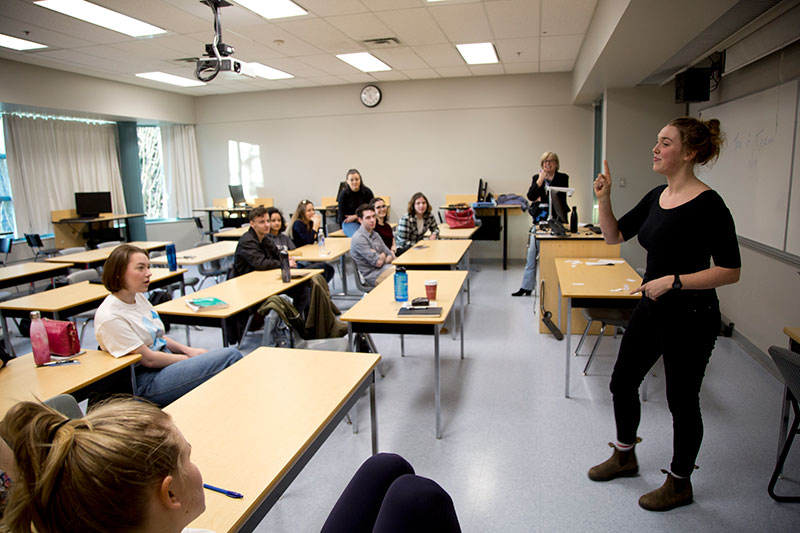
{"x": 430, "y": 288}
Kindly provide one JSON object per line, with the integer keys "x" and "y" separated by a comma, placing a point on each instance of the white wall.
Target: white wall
{"x": 38, "y": 87}
{"x": 438, "y": 136}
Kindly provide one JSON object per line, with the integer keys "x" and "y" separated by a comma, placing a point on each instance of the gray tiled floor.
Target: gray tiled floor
{"x": 514, "y": 453}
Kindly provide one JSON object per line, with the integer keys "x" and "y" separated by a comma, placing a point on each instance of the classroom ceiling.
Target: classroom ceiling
{"x": 530, "y": 36}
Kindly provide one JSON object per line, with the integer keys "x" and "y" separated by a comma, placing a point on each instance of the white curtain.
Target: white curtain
{"x": 49, "y": 160}
{"x": 182, "y": 170}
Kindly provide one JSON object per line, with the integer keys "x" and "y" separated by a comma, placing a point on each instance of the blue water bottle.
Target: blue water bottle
{"x": 172, "y": 258}
{"x": 401, "y": 284}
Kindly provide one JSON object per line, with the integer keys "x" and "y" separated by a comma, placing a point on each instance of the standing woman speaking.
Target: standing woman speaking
{"x": 683, "y": 225}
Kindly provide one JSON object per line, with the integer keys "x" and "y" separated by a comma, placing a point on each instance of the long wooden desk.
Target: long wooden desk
{"x": 437, "y": 254}
{"x": 98, "y": 256}
{"x": 243, "y": 294}
{"x": 22, "y": 380}
{"x": 446, "y": 232}
{"x": 11, "y": 276}
{"x": 377, "y": 313}
{"x": 279, "y": 406}
{"x": 231, "y": 234}
{"x": 201, "y": 254}
{"x": 222, "y": 209}
{"x": 70, "y": 300}
{"x": 103, "y": 218}
{"x": 584, "y": 244}
{"x": 504, "y": 208}
{"x": 584, "y": 285}
{"x": 334, "y": 249}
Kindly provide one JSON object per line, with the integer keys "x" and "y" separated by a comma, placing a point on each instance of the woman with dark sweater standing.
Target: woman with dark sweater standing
{"x": 683, "y": 225}
{"x": 350, "y": 198}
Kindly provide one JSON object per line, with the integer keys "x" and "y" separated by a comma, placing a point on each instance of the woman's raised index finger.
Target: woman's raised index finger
{"x": 608, "y": 172}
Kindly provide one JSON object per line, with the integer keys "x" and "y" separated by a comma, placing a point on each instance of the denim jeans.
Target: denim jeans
{"x": 163, "y": 386}
{"x": 529, "y": 277}
{"x": 350, "y": 228}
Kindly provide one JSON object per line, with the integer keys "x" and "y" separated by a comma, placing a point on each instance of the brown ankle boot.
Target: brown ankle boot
{"x": 620, "y": 464}
{"x": 673, "y": 493}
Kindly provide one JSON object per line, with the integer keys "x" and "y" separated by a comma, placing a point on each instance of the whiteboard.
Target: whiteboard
{"x": 754, "y": 172}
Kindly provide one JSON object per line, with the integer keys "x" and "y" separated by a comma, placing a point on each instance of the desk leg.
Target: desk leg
{"x": 373, "y": 414}
{"x": 350, "y": 346}
{"x": 438, "y": 392}
{"x": 133, "y": 381}
{"x": 784, "y": 418}
{"x": 461, "y": 296}
{"x": 505, "y": 239}
{"x": 344, "y": 273}
{"x": 211, "y": 222}
{"x": 468, "y": 276}
{"x": 183, "y": 293}
{"x": 7, "y": 336}
{"x": 568, "y": 335}
{"x": 453, "y": 315}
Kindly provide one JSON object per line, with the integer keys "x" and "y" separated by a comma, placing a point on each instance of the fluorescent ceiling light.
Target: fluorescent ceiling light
{"x": 263, "y": 71}
{"x": 477, "y": 53}
{"x": 7, "y": 41}
{"x": 163, "y": 77}
{"x": 273, "y": 9}
{"x": 364, "y": 61}
{"x": 101, "y": 16}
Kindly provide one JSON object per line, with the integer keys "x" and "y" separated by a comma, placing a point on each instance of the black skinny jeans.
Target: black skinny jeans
{"x": 683, "y": 328}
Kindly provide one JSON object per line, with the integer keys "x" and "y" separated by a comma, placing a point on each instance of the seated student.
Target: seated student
{"x": 382, "y": 226}
{"x": 127, "y": 323}
{"x": 416, "y": 222}
{"x": 369, "y": 253}
{"x": 352, "y": 196}
{"x": 305, "y": 224}
{"x": 256, "y": 251}
{"x": 277, "y": 226}
{"x": 125, "y": 466}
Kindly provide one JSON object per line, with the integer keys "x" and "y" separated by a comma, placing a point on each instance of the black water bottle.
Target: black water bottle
{"x": 286, "y": 274}
{"x": 573, "y": 220}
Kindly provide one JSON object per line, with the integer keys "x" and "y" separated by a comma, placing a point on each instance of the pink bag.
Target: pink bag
{"x": 62, "y": 336}
{"x": 460, "y": 218}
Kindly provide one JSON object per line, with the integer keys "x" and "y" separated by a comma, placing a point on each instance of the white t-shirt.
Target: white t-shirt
{"x": 121, "y": 328}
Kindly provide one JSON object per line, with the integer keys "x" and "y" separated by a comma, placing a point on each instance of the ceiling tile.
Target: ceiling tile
{"x": 440, "y": 55}
{"x": 158, "y": 13}
{"x": 463, "y": 23}
{"x": 270, "y": 36}
{"x": 556, "y": 66}
{"x": 421, "y": 73}
{"x": 518, "y": 50}
{"x": 328, "y": 8}
{"x": 52, "y": 39}
{"x": 566, "y": 17}
{"x": 453, "y": 72}
{"x": 322, "y": 35}
{"x": 521, "y": 68}
{"x": 560, "y": 47}
{"x": 328, "y": 80}
{"x": 362, "y": 26}
{"x": 413, "y": 26}
{"x": 486, "y": 70}
{"x": 514, "y": 18}
{"x": 400, "y": 58}
{"x": 329, "y": 64}
{"x": 389, "y": 75}
{"x": 360, "y": 77}
{"x": 384, "y": 5}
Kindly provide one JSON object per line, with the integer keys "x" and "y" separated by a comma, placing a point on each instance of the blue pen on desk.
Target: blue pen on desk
{"x": 228, "y": 493}
{"x": 56, "y": 363}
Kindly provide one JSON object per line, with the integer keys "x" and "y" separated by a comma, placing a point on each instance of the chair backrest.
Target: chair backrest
{"x": 220, "y": 202}
{"x": 327, "y": 200}
{"x": 66, "y": 405}
{"x": 5, "y": 247}
{"x": 788, "y": 364}
{"x": 73, "y": 250}
{"x": 450, "y": 199}
{"x": 90, "y": 274}
{"x": 265, "y": 201}
{"x": 109, "y": 244}
{"x": 34, "y": 240}
{"x": 361, "y": 282}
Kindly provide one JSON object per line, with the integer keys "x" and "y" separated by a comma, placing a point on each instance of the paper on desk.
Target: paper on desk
{"x": 576, "y": 283}
{"x": 604, "y": 262}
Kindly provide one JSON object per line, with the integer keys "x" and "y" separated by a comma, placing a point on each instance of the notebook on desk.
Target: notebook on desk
{"x": 427, "y": 311}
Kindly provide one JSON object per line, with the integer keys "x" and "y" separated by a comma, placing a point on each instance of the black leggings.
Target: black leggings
{"x": 683, "y": 328}
{"x": 386, "y": 496}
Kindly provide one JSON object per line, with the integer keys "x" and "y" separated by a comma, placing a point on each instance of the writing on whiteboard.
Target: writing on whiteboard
{"x": 753, "y": 143}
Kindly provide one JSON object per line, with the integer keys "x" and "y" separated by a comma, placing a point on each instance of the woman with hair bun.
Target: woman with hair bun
{"x": 125, "y": 467}
{"x": 682, "y": 225}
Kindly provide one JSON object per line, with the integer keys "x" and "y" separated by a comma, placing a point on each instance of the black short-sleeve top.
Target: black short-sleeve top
{"x": 683, "y": 239}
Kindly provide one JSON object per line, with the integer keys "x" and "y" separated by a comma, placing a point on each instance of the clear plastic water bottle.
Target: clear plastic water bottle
{"x": 321, "y": 239}
{"x": 39, "y": 342}
{"x": 172, "y": 258}
{"x": 401, "y": 284}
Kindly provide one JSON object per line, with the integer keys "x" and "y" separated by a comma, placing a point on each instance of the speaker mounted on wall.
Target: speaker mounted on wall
{"x": 693, "y": 85}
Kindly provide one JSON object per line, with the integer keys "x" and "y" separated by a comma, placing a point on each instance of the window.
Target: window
{"x": 244, "y": 166}
{"x": 7, "y": 222}
{"x": 151, "y": 162}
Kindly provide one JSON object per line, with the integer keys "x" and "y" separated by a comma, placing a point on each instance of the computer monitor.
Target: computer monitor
{"x": 237, "y": 195}
{"x": 482, "y": 187}
{"x": 91, "y": 204}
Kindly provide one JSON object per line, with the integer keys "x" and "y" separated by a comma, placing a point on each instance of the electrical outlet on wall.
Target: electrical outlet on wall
{"x": 622, "y": 183}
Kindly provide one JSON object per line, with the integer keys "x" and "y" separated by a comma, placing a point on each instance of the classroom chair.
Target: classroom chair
{"x": 203, "y": 233}
{"x": 66, "y": 405}
{"x": 190, "y": 281}
{"x": 607, "y": 316}
{"x": 34, "y": 240}
{"x": 73, "y": 250}
{"x": 5, "y": 248}
{"x": 90, "y": 274}
{"x": 109, "y": 244}
{"x": 788, "y": 364}
{"x": 212, "y": 269}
